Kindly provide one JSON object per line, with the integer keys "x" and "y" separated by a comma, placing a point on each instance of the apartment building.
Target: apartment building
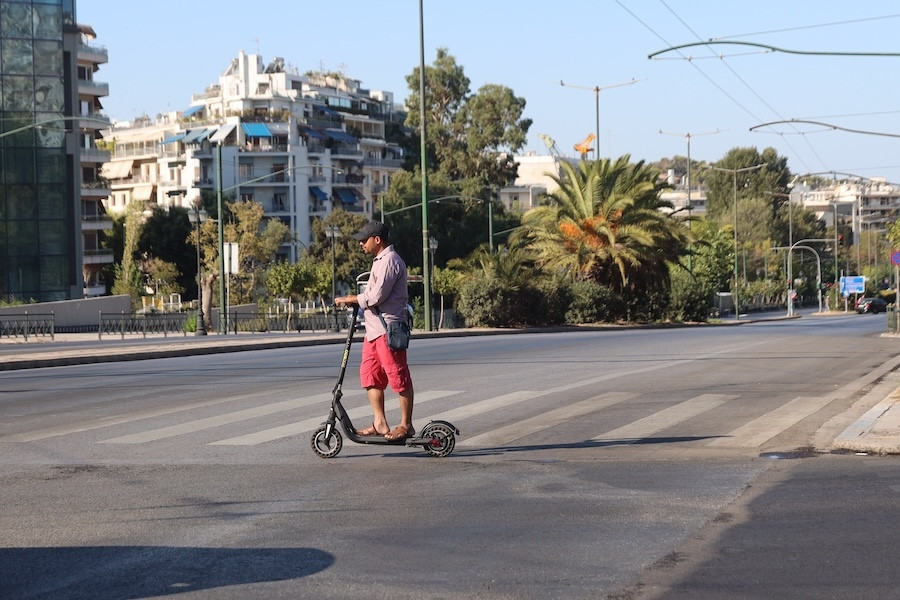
{"x": 299, "y": 145}
{"x": 41, "y": 142}
{"x": 94, "y": 189}
{"x": 863, "y": 203}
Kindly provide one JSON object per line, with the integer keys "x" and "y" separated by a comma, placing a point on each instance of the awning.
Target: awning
{"x": 192, "y": 111}
{"x": 347, "y": 196}
{"x": 118, "y": 169}
{"x": 319, "y": 193}
{"x": 341, "y": 136}
{"x": 313, "y": 133}
{"x": 256, "y": 129}
{"x": 324, "y": 109}
{"x": 142, "y": 192}
{"x": 195, "y": 136}
{"x": 174, "y": 138}
{"x": 222, "y": 133}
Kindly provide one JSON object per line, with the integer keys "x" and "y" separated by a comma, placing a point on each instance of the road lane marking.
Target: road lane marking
{"x": 665, "y": 418}
{"x": 552, "y": 418}
{"x": 762, "y": 429}
{"x": 216, "y": 421}
{"x": 309, "y": 425}
{"x": 40, "y": 434}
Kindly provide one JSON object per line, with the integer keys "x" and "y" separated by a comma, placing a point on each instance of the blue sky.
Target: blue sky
{"x": 163, "y": 51}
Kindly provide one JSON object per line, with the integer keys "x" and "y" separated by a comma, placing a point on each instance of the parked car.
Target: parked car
{"x": 871, "y": 305}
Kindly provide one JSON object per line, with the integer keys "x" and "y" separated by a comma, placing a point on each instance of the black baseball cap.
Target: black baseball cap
{"x": 371, "y": 229}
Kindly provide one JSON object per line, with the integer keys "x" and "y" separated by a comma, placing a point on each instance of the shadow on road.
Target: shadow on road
{"x": 120, "y": 572}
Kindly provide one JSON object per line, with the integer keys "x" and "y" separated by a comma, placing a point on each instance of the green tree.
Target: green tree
{"x": 349, "y": 259}
{"x": 290, "y": 280}
{"x": 604, "y": 224}
{"x": 713, "y": 258}
{"x": 755, "y": 184}
{"x": 163, "y": 275}
{"x": 468, "y": 136}
{"x": 129, "y": 280}
{"x": 258, "y": 243}
{"x": 165, "y": 235}
{"x": 459, "y": 221}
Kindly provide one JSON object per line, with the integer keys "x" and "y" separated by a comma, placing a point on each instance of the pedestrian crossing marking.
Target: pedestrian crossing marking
{"x": 308, "y": 425}
{"x": 552, "y": 418}
{"x": 216, "y": 421}
{"x": 59, "y": 430}
{"x": 665, "y": 418}
{"x": 762, "y": 429}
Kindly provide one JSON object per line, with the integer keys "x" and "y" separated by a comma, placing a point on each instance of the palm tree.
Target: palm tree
{"x": 604, "y": 224}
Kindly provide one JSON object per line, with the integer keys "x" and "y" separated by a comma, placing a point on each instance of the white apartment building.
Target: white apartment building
{"x": 94, "y": 190}
{"x": 868, "y": 203}
{"x": 299, "y": 145}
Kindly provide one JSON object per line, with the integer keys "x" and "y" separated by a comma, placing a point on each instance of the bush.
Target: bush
{"x": 590, "y": 302}
{"x": 484, "y": 303}
{"x": 690, "y": 299}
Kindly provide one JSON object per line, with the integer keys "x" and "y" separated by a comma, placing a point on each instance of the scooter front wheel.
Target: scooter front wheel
{"x": 326, "y": 446}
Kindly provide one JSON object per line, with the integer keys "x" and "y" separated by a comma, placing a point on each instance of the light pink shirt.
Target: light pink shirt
{"x": 387, "y": 290}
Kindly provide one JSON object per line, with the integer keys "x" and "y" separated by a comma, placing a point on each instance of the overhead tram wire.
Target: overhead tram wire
{"x": 756, "y": 94}
{"x": 752, "y": 91}
{"x": 699, "y": 70}
{"x": 802, "y": 27}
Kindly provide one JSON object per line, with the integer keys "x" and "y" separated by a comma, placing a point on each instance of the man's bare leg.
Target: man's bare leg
{"x": 379, "y": 422}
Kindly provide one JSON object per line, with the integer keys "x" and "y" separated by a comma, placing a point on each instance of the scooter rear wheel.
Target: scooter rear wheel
{"x": 441, "y": 438}
{"x": 326, "y": 446}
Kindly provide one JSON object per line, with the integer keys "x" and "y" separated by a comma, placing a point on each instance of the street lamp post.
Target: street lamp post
{"x": 597, "y": 89}
{"x": 734, "y": 172}
{"x": 688, "y": 136}
{"x": 197, "y": 217}
{"x": 426, "y": 272}
{"x": 332, "y": 233}
{"x": 432, "y": 247}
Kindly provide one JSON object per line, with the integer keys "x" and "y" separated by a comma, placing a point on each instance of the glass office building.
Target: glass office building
{"x": 40, "y": 244}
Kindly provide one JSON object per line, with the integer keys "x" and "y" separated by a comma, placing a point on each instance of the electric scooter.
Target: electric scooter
{"x": 437, "y": 438}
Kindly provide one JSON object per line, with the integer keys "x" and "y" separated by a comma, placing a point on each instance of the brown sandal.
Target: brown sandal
{"x": 400, "y": 432}
{"x": 368, "y": 431}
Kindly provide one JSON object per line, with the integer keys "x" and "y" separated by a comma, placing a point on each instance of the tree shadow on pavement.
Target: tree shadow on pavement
{"x": 121, "y": 572}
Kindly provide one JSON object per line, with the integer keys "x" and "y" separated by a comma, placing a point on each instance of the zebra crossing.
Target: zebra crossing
{"x": 266, "y": 422}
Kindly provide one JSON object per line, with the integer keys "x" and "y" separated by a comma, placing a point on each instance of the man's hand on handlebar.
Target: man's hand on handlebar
{"x": 343, "y": 301}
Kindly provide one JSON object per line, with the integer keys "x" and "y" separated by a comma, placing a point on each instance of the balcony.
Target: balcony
{"x": 92, "y": 88}
{"x": 94, "y": 155}
{"x": 93, "y": 53}
{"x": 96, "y": 223}
{"x": 101, "y": 256}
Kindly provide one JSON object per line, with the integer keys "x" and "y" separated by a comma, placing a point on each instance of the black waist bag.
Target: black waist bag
{"x": 398, "y": 333}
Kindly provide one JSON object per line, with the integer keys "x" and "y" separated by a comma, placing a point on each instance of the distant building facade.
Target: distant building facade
{"x": 41, "y": 243}
{"x": 299, "y": 145}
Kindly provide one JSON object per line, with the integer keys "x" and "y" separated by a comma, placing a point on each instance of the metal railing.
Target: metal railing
{"x": 123, "y": 324}
{"x": 28, "y": 324}
{"x": 250, "y": 323}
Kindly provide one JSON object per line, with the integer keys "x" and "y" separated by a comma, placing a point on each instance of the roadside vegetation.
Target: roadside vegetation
{"x": 602, "y": 248}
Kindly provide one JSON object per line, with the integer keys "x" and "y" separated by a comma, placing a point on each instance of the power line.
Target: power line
{"x": 802, "y": 27}
{"x": 749, "y": 87}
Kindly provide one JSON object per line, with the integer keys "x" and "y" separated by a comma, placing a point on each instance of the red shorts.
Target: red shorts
{"x": 382, "y": 366}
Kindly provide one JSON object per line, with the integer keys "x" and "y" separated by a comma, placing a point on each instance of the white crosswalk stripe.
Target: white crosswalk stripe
{"x": 78, "y": 427}
{"x": 259, "y": 430}
{"x": 308, "y": 425}
{"x": 552, "y": 418}
{"x": 762, "y": 429}
{"x": 665, "y": 418}
{"x": 216, "y": 421}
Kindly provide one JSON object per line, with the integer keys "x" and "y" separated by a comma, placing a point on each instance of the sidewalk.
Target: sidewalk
{"x": 875, "y": 432}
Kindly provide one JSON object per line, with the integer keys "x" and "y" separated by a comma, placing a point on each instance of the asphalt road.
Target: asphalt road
{"x": 622, "y": 464}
